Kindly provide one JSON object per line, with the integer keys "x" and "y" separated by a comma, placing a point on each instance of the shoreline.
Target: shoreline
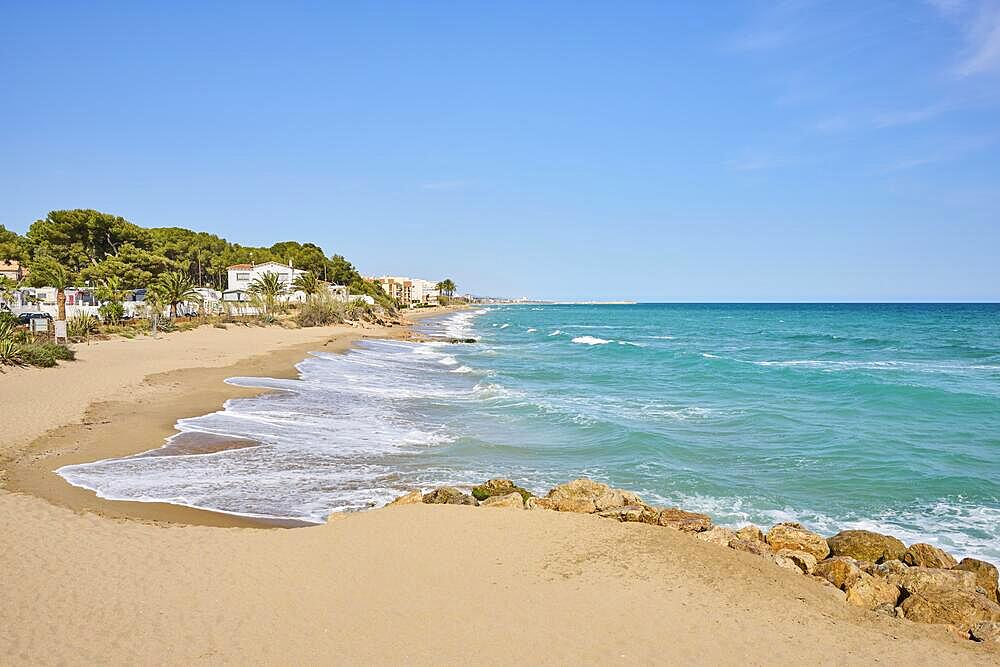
{"x": 143, "y": 421}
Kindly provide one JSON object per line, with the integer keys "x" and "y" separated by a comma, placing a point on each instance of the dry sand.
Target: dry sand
{"x": 90, "y": 581}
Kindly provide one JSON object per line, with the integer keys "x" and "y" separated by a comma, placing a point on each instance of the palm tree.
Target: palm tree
{"x": 447, "y": 286}
{"x": 307, "y": 283}
{"x": 267, "y": 287}
{"x": 50, "y": 272}
{"x": 173, "y": 288}
{"x": 110, "y": 289}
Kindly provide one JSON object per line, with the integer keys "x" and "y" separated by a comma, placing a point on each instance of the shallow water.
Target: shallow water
{"x": 873, "y": 416}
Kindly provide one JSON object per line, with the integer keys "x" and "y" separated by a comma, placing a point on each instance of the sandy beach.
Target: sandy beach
{"x": 84, "y": 580}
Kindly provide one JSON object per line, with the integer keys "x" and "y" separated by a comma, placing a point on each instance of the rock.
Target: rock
{"x": 632, "y": 514}
{"x": 926, "y": 555}
{"x": 688, "y": 522}
{"x": 536, "y": 503}
{"x": 796, "y": 538}
{"x": 750, "y": 532}
{"x": 512, "y": 500}
{"x": 786, "y": 563}
{"x": 841, "y": 571}
{"x": 959, "y": 608}
{"x": 985, "y": 631}
{"x": 886, "y": 608}
{"x": 928, "y": 580}
{"x": 498, "y": 487}
{"x": 886, "y": 569}
{"x": 803, "y": 560}
{"x": 986, "y": 575}
{"x": 717, "y": 535}
{"x": 587, "y": 497}
{"x": 751, "y": 546}
{"x": 865, "y": 545}
{"x": 869, "y": 592}
{"x": 411, "y": 498}
{"x": 448, "y": 495}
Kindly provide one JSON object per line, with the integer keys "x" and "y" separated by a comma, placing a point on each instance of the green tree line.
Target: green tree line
{"x": 92, "y": 246}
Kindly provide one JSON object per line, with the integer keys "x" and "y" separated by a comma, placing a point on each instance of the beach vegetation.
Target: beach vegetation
{"x": 82, "y": 326}
{"x": 47, "y": 271}
{"x": 173, "y": 289}
{"x": 266, "y": 292}
{"x": 308, "y": 284}
{"x": 320, "y": 310}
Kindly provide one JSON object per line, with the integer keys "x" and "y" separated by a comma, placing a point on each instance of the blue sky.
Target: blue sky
{"x": 657, "y": 151}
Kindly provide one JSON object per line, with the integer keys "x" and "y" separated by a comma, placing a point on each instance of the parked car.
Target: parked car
{"x": 25, "y": 318}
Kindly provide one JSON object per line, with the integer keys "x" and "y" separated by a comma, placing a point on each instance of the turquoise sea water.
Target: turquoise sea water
{"x": 875, "y": 416}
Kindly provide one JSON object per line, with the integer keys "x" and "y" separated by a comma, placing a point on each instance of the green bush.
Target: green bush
{"x": 319, "y": 310}
{"x": 82, "y": 326}
{"x": 45, "y": 354}
{"x": 112, "y": 312}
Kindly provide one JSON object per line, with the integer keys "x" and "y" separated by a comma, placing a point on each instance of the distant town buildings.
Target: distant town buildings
{"x": 242, "y": 276}
{"x": 409, "y": 291}
{"x": 11, "y": 268}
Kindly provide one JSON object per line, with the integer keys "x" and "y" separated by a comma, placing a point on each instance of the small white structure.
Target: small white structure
{"x": 241, "y": 276}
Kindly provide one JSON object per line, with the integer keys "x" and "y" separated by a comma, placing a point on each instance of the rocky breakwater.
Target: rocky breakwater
{"x": 879, "y": 573}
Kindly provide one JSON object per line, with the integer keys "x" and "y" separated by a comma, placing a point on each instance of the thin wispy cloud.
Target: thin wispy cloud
{"x": 949, "y": 151}
{"x": 980, "y": 26}
{"x": 909, "y": 117}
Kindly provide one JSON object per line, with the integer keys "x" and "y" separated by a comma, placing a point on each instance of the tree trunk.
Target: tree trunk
{"x": 173, "y": 310}
{"x": 61, "y": 302}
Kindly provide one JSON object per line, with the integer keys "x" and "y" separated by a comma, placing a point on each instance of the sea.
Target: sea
{"x": 875, "y": 416}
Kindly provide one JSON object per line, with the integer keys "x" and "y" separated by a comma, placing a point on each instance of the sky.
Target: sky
{"x": 656, "y": 151}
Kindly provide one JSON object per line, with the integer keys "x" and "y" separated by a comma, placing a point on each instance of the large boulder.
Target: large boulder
{"x": 986, "y": 575}
{"x": 886, "y": 569}
{"x": 865, "y": 545}
{"x": 688, "y": 522}
{"x": 803, "y": 560}
{"x": 498, "y": 487}
{"x": 412, "y": 498}
{"x": 985, "y": 631}
{"x": 869, "y": 592}
{"x": 587, "y": 497}
{"x": 927, "y": 555}
{"x": 632, "y": 514}
{"x": 955, "y": 607}
{"x": 750, "y": 532}
{"x": 930, "y": 580}
{"x": 512, "y": 500}
{"x": 717, "y": 535}
{"x": 448, "y": 495}
{"x": 841, "y": 571}
{"x": 796, "y": 538}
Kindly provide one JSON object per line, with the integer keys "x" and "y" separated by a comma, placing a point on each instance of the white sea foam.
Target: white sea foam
{"x": 710, "y": 356}
{"x": 532, "y": 330}
{"x": 448, "y": 361}
{"x": 555, "y": 333}
{"x": 590, "y": 340}
{"x": 505, "y": 325}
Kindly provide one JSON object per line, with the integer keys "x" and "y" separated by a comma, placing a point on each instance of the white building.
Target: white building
{"x": 242, "y": 276}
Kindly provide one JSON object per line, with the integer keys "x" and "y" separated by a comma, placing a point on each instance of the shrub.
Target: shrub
{"x": 82, "y": 326}
{"x": 10, "y": 350}
{"x": 112, "y": 312}
{"x": 319, "y": 310}
{"x": 45, "y": 354}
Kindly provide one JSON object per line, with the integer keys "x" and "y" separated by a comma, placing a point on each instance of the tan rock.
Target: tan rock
{"x": 865, "y": 545}
{"x": 750, "y": 532}
{"x": 587, "y": 496}
{"x": 986, "y": 575}
{"x": 926, "y": 555}
{"x": 786, "y": 563}
{"x": 985, "y": 631}
{"x": 959, "y": 608}
{"x": 929, "y": 580}
{"x": 886, "y": 569}
{"x": 841, "y": 571}
{"x": 536, "y": 503}
{"x": 803, "y": 560}
{"x": 512, "y": 500}
{"x": 448, "y": 495}
{"x": 751, "y": 546}
{"x": 688, "y": 522}
{"x": 411, "y": 498}
{"x": 869, "y": 592}
{"x": 796, "y": 538}
{"x": 632, "y": 514}
{"x": 717, "y": 535}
